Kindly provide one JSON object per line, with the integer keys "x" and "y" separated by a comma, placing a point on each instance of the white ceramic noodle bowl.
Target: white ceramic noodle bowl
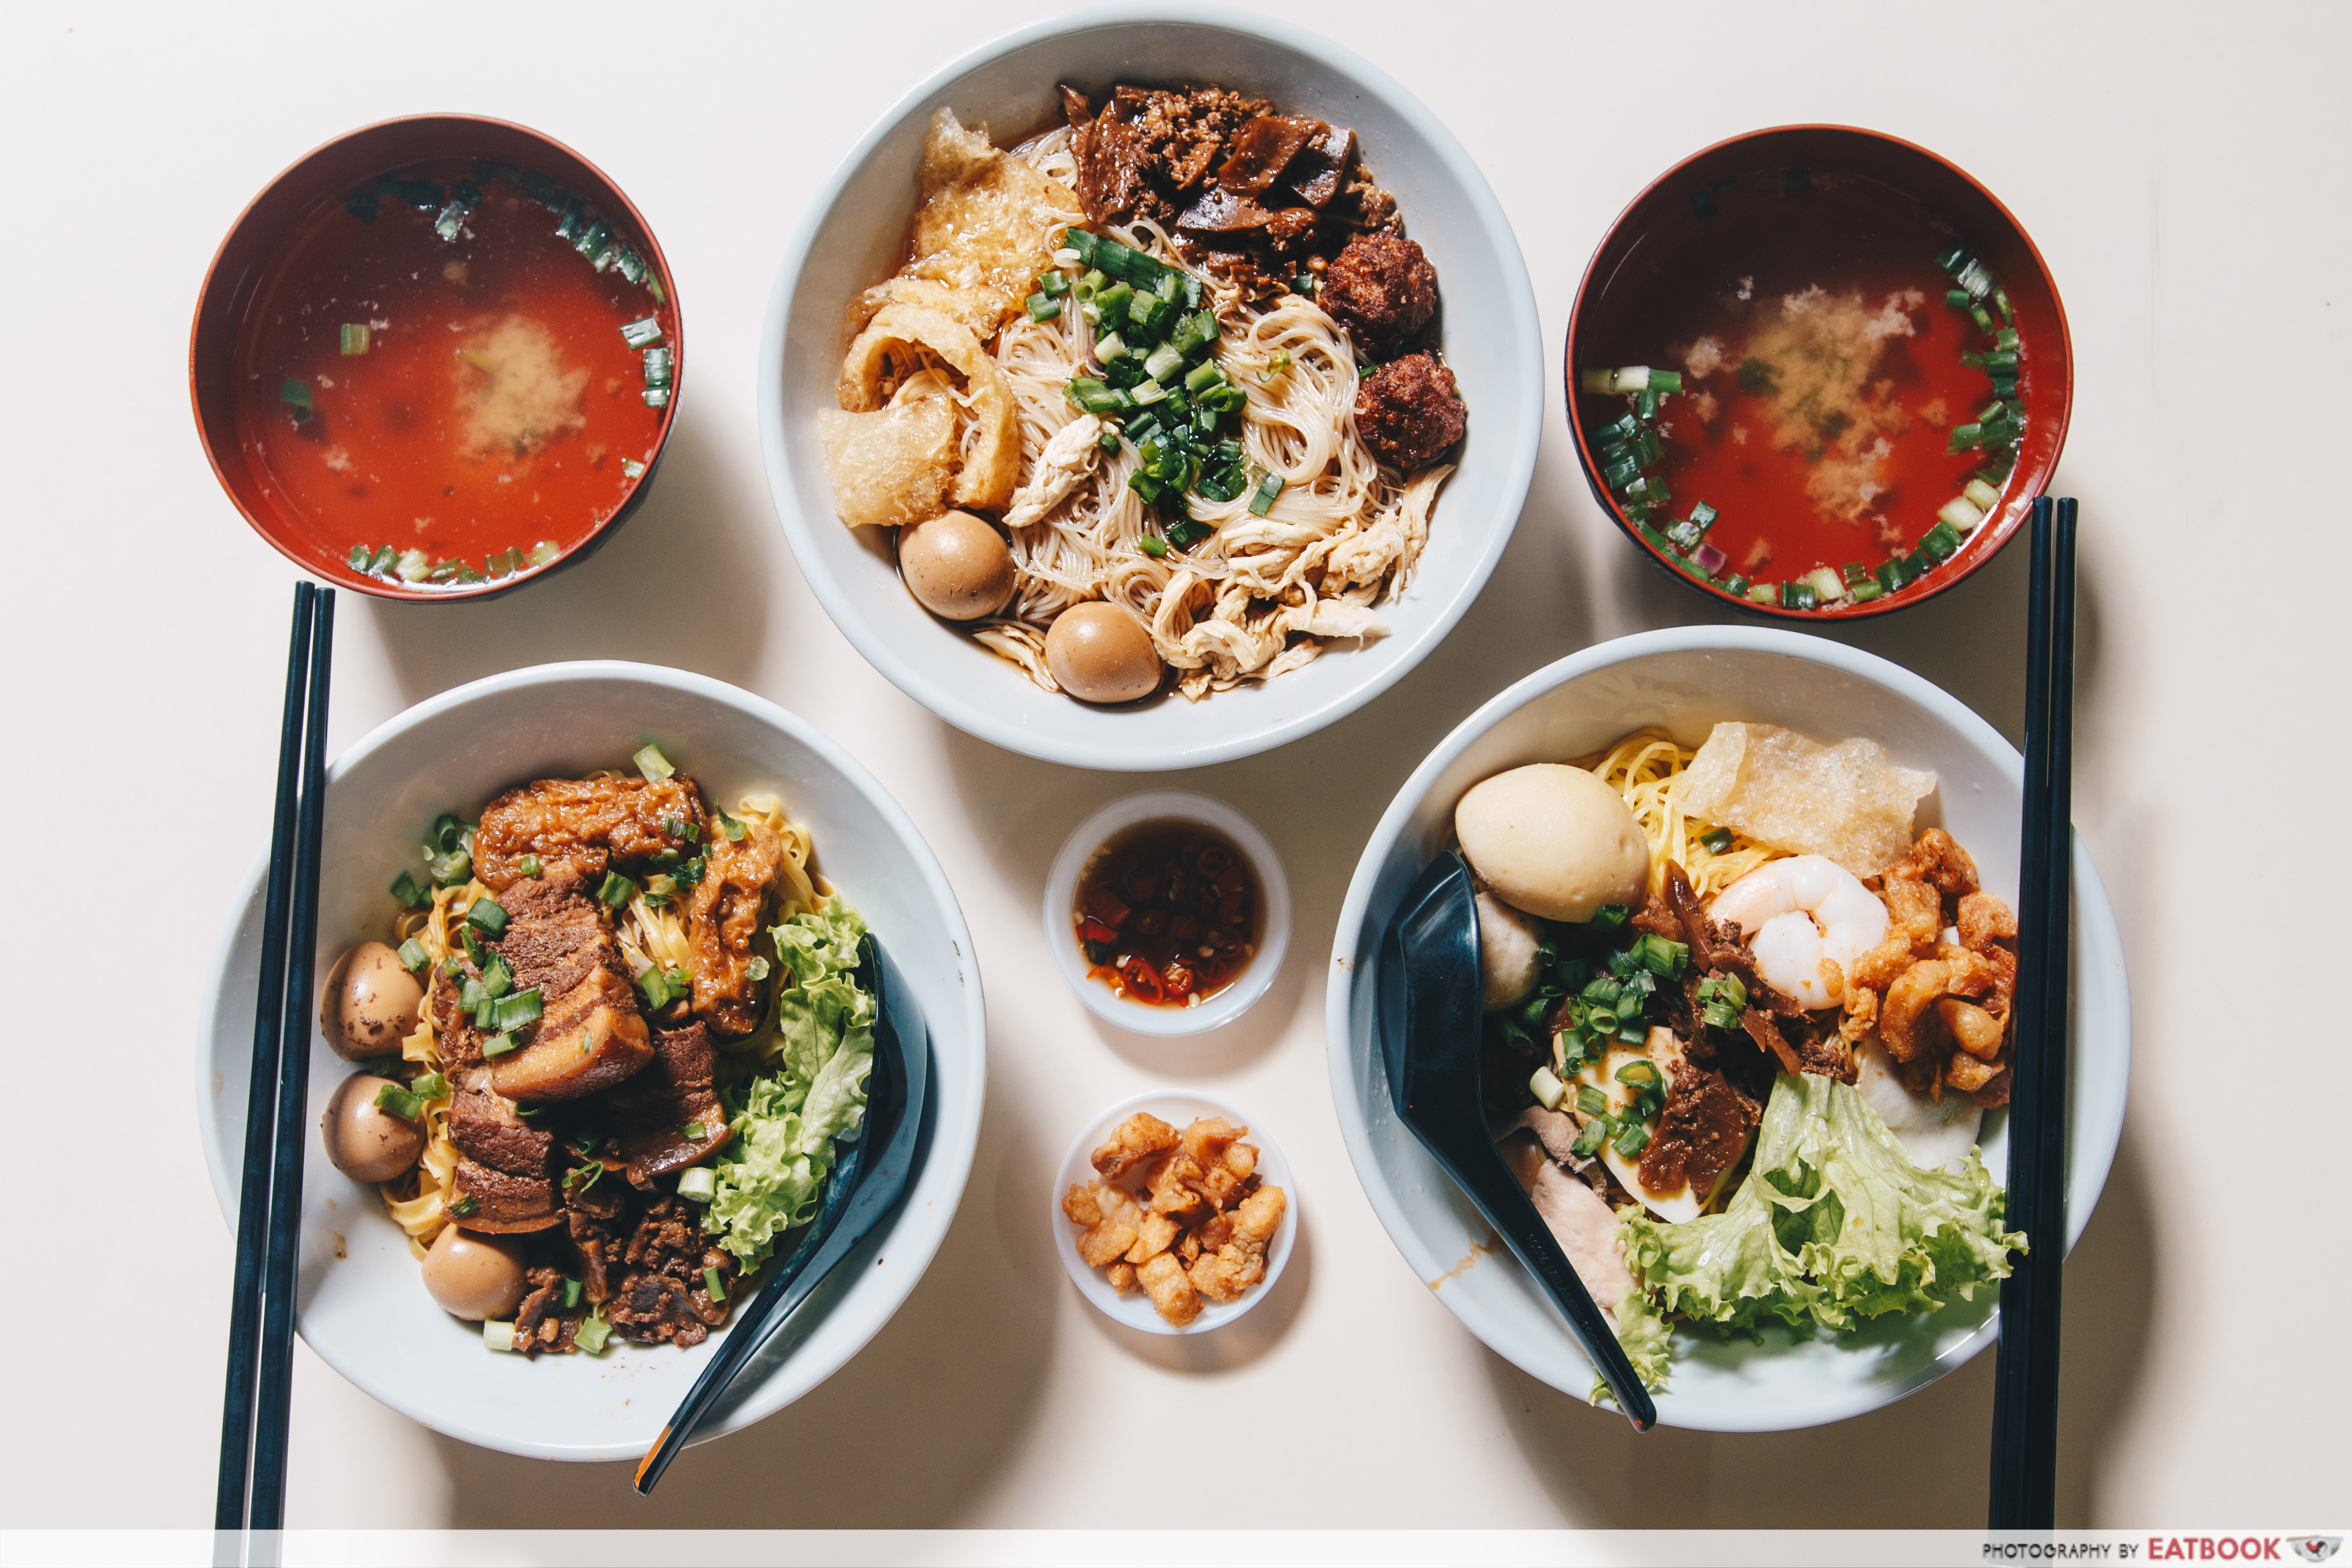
{"x": 363, "y": 1305}
{"x": 851, "y": 237}
{"x": 1272, "y": 912}
{"x": 1686, "y": 681}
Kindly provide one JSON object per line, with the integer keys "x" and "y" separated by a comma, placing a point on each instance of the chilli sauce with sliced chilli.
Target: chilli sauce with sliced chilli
{"x": 1167, "y": 913}
{"x": 446, "y": 393}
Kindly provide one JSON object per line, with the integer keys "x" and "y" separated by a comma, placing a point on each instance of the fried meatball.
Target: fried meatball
{"x": 1409, "y": 412}
{"x": 1381, "y": 289}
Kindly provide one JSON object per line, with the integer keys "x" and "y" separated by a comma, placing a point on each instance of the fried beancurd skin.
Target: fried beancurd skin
{"x": 722, "y": 916}
{"x": 583, "y": 825}
{"x": 1239, "y": 1260}
{"x": 1110, "y": 1217}
{"x": 1139, "y": 1138}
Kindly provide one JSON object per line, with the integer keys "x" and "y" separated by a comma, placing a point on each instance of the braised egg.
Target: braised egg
{"x": 1099, "y": 653}
{"x": 957, "y": 567}
{"x": 363, "y": 1140}
{"x": 369, "y": 1003}
{"x": 472, "y": 1277}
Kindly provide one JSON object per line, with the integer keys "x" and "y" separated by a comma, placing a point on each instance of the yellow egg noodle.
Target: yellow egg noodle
{"x": 1646, "y": 768}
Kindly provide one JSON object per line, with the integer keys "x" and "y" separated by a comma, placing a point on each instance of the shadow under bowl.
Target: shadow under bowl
{"x": 243, "y": 267}
{"x": 1668, "y": 250}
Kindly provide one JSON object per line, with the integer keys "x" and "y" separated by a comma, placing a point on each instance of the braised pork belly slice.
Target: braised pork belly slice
{"x": 580, "y": 826}
{"x": 590, "y": 1035}
{"x": 501, "y": 1203}
{"x": 485, "y": 1126}
{"x": 668, "y": 1116}
{"x": 453, "y": 1034}
{"x": 722, "y": 916}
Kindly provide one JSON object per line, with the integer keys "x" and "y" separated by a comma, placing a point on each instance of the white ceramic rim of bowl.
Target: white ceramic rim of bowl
{"x": 1515, "y": 428}
{"x": 2094, "y": 1131}
{"x": 1135, "y": 1309}
{"x": 914, "y": 1231}
{"x": 1062, "y": 890}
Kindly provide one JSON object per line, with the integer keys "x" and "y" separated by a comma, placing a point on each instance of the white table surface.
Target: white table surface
{"x": 2183, "y": 172}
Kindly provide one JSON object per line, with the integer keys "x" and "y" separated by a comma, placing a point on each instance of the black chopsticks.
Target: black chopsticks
{"x": 2025, "y": 1391}
{"x": 252, "y": 1486}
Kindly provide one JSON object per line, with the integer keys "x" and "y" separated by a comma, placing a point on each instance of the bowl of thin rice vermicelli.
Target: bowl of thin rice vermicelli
{"x": 1290, "y": 543}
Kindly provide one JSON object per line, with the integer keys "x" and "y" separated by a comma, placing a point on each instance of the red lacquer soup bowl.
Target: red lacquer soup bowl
{"x": 1818, "y": 373}
{"x": 438, "y": 358}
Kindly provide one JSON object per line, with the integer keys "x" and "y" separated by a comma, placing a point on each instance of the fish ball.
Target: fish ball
{"x": 1555, "y": 842}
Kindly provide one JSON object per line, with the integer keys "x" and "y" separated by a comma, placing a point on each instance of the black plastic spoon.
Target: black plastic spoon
{"x": 1429, "y": 991}
{"x": 865, "y": 1185}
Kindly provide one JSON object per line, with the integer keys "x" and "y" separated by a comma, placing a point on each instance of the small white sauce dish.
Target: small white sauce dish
{"x": 1179, "y": 1108}
{"x": 1274, "y": 897}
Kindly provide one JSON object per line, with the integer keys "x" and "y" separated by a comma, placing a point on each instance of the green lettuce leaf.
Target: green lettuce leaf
{"x": 1834, "y": 1225}
{"x": 769, "y": 1179}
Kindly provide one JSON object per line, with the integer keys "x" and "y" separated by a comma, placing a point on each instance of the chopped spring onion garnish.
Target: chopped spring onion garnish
{"x": 1939, "y": 542}
{"x": 410, "y": 896}
{"x": 1764, "y": 593}
{"x": 487, "y": 915}
{"x": 531, "y": 866}
{"x": 694, "y": 1129}
{"x": 423, "y": 195}
{"x": 757, "y": 968}
{"x": 652, "y": 763}
{"x": 642, "y": 334}
{"x": 414, "y": 566}
{"x": 1042, "y": 307}
{"x": 363, "y": 206}
{"x": 1827, "y": 585}
{"x": 453, "y": 216}
{"x": 632, "y": 468}
{"x": 712, "y": 1286}
{"x": 732, "y": 826}
{"x": 1273, "y": 367}
{"x": 571, "y": 1293}
{"x": 1798, "y": 595}
{"x": 1591, "y": 1102}
{"x": 545, "y": 550}
{"x": 1983, "y": 497}
{"x": 658, "y": 397}
{"x": 1587, "y": 1142}
{"x": 661, "y": 367}
{"x": 592, "y": 1334}
{"x": 513, "y": 1012}
{"x": 1716, "y": 840}
{"x": 1053, "y": 284}
{"x": 1610, "y": 917}
{"x": 1630, "y": 1139}
{"x": 1638, "y": 1071}
{"x": 1546, "y": 1086}
{"x": 1961, "y": 513}
{"x": 661, "y": 885}
{"x": 497, "y": 978}
{"x": 413, "y": 955}
{"x": 497, "y": 1045}
{"x": 616, "y": 890}
{"x": 497, "y": 1336}
{"x": 698, "y": 1185}
{"x": 296, "y": 396}
{"x": 1269, "y": 490}
{"x": 1152, "y": 545}
{"x": 354, "y": 337}
{"x": 398, "y": 1102}
{"x": 431, "y": 1086}
{"x": 655, "y": 989}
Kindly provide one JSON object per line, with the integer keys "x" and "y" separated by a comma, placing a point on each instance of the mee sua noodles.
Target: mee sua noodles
{"x": 606, "y": 1065}
{"x": 1129, "y": 364}
{"x": 1742, "y": 1020}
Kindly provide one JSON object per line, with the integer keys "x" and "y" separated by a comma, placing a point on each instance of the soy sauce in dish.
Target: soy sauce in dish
{"x": 1167, "y": 913}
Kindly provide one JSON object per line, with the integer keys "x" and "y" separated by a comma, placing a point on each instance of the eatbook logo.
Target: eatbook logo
{"x": 2316, "y": 1548}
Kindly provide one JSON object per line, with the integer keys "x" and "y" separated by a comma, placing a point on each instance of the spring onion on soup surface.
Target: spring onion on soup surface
{"x": 1742, "y": 1020}
{"x": 455, "y": 374}
{"x": 1829, "y": 408}
{"x": 605, "y": 1068}
{"x": 1154, "y": 391}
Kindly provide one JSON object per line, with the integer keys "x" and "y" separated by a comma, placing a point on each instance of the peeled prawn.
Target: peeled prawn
{"x": 1808, "y": 920}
